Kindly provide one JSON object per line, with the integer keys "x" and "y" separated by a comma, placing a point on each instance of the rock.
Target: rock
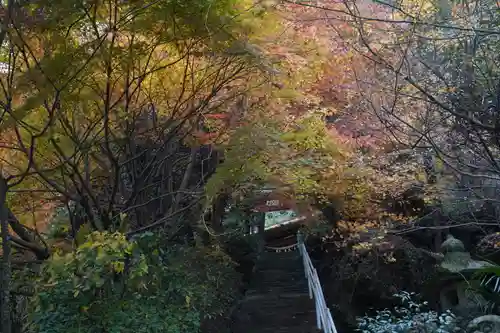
{"x": 485, "y": 323}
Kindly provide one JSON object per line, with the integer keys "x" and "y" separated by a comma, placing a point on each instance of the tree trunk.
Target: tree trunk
{"x": 217, "y": 214}
{"x": 184, "y": 183}
{"x": 25, "y": 237}
{"x": 177, "y": 199}
{"x": 6, "y": 260}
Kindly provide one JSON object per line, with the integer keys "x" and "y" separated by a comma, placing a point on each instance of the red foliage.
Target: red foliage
{"x": 205, "y": 138}
{"x": 338, "y": 85}
{"x": 217, "y": 116}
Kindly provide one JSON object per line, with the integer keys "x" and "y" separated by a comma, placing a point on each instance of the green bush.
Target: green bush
{"x": 411, "y": 316}
{"x": 59, "y": 226}
{"x": 110, "y": 284}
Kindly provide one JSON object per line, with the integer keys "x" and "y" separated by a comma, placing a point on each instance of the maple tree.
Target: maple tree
{"x": 87, "y": 98}
{"x": 103, "y": 107}
{"x": 423, "y": 88}
{"x": 284, "y": 140}
{"x": 444, "y": 66}
{"x": 340, "y": 89}
{"x": 98, "y": 103}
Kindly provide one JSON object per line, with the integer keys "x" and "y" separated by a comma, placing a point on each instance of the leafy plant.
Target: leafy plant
{"x": 487, "y": 282}
{"x": 111, "y": 284}
{"x": 59, "y": 225}
{"x": 411, "y": 316}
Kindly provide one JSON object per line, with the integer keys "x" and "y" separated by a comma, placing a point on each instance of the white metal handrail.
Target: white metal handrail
{"x": 324, "y": 318}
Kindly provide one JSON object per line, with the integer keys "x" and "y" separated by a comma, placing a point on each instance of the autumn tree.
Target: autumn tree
{"x": 284, "y": 141}
{"x": 103, "y": 84}
{"x": 100, "y": 103}
{"x": 444, "y": 67}
{"x": 429, "y": 80}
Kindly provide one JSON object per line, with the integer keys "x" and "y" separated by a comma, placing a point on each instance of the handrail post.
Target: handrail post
{"x": 300, "y": 240}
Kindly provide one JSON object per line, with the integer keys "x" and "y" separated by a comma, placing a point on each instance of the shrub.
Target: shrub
{"x": 410, "y": 317}
{"x": 59, "y": 226}
{"x": 110, "y": 284}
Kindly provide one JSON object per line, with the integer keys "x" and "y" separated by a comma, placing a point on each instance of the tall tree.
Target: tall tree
{"x": 432, "y": 84}
{"x": 109, "y": 91}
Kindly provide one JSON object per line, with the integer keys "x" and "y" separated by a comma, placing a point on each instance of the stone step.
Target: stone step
{"x": 297, "y": 283}
{"x": 293, "y": 286}
{"x": 280, "y": 256}
{"x": 264, "y": 258}
{"x": 263, "y": 299}
{"x": 276, "y": 314}
{"x": 273, "y": 277}
{"x": 292, "y": 274}
{"x": 270, "y": 314}
{"x": 283, "y": 301}
{"x": 278, "y": 264}
{"x": 293, "y": 326}
{"x": 277, "y": 300}
{"x": 274, "y": 291}
{"x": 277, "y": 290}
{"x": 277, "y": 319}
{"x": 301, "y": 326}
{"x": 277, "y": 279}
{"x": 306, "y": 328}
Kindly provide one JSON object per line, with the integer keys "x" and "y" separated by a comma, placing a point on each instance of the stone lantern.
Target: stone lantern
{"x": 456, "y": 266}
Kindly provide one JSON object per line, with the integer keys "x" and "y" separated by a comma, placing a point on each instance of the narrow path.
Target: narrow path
{"x": 277, "y": 300}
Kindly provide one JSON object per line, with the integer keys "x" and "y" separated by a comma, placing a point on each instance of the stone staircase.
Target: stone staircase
{"x": 277, "y": 300}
